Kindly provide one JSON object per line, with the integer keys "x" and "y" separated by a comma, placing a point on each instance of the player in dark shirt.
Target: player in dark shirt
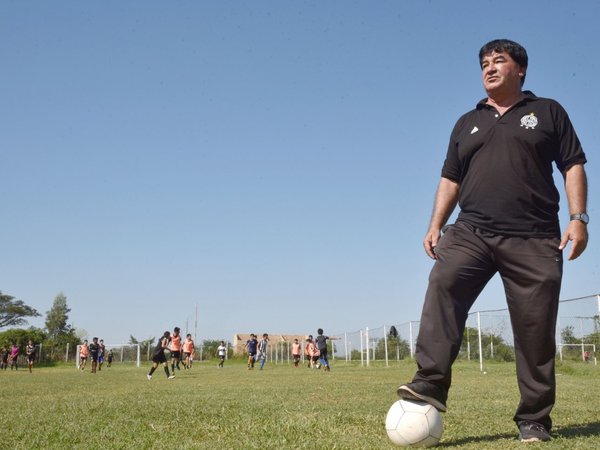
{"x": 30, "y": 354}
{"x": 159, "y": 357}
{"x": 251, "y": 348}
{"x": 94, "y": 349}
{"x": 321, "y": 344}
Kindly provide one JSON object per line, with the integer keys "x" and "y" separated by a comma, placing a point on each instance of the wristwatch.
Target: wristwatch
{"x": 581, "y": 216}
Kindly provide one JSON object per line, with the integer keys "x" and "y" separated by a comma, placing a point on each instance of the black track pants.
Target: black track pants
{"x": 531, "y": 272}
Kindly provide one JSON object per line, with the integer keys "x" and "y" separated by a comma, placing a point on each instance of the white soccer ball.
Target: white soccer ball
{"x": 414, "y": 424}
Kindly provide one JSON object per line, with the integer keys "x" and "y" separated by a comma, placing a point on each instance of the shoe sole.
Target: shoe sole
{"x": 533, "y": 439}
{"x": 407, "y": 393}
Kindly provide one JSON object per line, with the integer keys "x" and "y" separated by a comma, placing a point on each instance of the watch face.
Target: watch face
{"x": 585, "y": 218}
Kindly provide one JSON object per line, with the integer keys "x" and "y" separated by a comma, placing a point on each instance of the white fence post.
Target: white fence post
{"x": 410, "y": 334}
{"x": 362, "y": 352}
{"x": 559, "y": 337}
{"x": 367, "y": 344}
{"x": 468, "y": 344}
{"x": 385, "y": 343}
{"x": 480, "y": 345}
{"x": 346, "y": 346}
{"x": 582, "y": 336}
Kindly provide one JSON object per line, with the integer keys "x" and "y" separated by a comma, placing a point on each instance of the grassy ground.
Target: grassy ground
{"x": 279, "y": 407}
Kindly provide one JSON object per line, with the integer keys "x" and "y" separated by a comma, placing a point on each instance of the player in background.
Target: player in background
{"x": 313, "y": 354}
{"x": 3, "y": 358}
{"x": 84, "y": 351}
{"x": 101, "y": 353}
{"x": 321, "y": 343}
{"x": 307, "y": 351}
{"x": 14, "y": 356}
{"x": 159, "y": 357}
{"x": 251, "y": 346}
{"x": 30, "y": 354}
{"x": 221, "y": 353}
{"x": 262, "y": 350}
{"x": 175, "y": 348}
{"x": 109, "y": 358}
{"x": 188, "y": 351}
{"x": 296, "y": 352}
{"x": 94, "y": 348}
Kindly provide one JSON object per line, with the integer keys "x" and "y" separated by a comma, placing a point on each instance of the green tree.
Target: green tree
{"x": 13, "y": 312}
{"x": 501, "y": 350}
{"x": 60, "y": 334}
{"x": 567, "y": 335}
{"x": 397, "y": 348}
{"x": 57, "y": 317}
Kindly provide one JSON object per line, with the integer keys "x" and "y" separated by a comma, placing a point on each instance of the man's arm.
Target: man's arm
{"x": 576, "y": 189}
{"x": 446, "y": 198}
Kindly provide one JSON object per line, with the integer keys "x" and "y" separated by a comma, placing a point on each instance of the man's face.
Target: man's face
{"x": 501, "y": 73}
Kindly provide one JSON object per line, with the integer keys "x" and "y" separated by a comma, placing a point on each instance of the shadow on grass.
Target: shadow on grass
{"x": 581, "y": 430}
{"x": 478, "y": 439}
{"x": 570, "y": 431}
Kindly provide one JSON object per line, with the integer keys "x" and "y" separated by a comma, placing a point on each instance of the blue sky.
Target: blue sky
{"x": 273, "y": 163}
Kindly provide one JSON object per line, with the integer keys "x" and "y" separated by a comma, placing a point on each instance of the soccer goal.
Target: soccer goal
{"x": 588, "y": 351}
{"x": 121, "y": 354}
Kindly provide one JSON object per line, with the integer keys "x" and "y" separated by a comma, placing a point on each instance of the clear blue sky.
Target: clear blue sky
{"x": 273, "y": 163}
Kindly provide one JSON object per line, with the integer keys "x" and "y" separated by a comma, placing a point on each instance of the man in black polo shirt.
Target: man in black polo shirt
{"x": 499, "y": 170}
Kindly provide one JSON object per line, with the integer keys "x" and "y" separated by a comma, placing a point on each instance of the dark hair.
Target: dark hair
{"x": 176, "y": 329}
{"x": 516, "y": 51}
{"x": 167, "y": 334}
{"x": 320, "y": 331}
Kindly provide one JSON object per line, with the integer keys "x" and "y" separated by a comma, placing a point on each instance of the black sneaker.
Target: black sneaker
{"x": 533, "y": 432}
{"x": 421, "y": 391}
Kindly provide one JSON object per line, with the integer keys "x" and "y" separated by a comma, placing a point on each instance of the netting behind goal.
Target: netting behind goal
{"x": 117, "y": 354}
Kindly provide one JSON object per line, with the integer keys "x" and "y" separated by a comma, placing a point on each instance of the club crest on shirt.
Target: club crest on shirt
{"x": 529, "y": 121}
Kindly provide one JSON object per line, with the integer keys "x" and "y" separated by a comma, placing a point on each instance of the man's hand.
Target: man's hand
{"x": 431, "y": 239}
{"x": 577, "y": 233}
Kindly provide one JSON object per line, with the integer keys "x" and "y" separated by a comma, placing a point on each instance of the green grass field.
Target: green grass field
{"x": 279, "y": 407}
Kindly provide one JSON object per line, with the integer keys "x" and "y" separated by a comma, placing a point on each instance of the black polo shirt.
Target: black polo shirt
{"x": 504, "y": 165}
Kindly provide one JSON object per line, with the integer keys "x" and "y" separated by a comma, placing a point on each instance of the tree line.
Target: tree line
{"x": 55, "y": 337}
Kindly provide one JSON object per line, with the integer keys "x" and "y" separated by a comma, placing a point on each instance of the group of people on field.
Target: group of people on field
{"x": 12, "y": 356}
{"x": 315, "y": 350}
{"x": 96, "y": 353}
{"x": 257, "y": 350}
{"x": 181, "y": 351}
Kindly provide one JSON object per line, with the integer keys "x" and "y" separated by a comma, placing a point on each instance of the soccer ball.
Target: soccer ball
{"x": 413, "y": 424}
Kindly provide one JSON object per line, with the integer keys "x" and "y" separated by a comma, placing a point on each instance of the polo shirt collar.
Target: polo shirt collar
{"x": 527, "y": 96}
